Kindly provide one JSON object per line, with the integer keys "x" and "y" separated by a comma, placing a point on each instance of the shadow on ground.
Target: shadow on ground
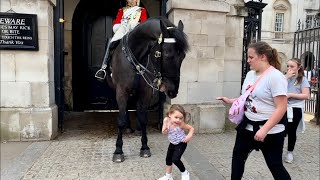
{"x": 97, "y": 125}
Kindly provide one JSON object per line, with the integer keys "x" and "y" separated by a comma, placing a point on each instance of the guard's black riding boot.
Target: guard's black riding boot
{"x": 101, "y": 73}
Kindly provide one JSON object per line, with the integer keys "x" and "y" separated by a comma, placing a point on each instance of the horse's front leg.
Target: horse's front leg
{"x": 118, "y": 155}
{"x": 143, "y": 120}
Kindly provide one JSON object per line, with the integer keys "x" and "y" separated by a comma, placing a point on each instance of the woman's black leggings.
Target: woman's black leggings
{"x": 174, "y": 155}
{"x": 271, "y": 149}
{"x": 292, "y": 128}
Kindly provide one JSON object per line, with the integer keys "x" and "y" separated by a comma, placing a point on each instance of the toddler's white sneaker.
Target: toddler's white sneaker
{"x": 185, "y": 175}
{"x": 166, "y": 178}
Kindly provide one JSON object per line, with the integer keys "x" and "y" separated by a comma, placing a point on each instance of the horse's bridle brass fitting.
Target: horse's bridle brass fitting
{"x": 157, "y": 82}
{"x": 157, "y": 54}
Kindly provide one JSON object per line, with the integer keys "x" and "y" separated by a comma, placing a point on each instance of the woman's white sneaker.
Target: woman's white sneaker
{"x": 289, "y": 158}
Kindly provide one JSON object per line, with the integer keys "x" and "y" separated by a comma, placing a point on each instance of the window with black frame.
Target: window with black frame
{"x": 279, "y": 23}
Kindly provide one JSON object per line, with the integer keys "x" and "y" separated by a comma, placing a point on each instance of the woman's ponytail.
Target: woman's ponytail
{"x": 274, "y": 61}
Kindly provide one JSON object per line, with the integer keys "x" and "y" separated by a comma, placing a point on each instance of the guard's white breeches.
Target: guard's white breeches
{"x": 122, "y": 31}
{"x": 119, "y": 33}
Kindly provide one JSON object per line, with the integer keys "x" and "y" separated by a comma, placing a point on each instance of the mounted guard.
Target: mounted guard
{"x": 127, "y": 19}
{"x": 147, "y": 59}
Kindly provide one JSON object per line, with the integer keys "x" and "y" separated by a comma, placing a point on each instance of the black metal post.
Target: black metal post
{"x": 162, "y": 96}
{"x": 59, "y": 60}
{"x": 317, "y": 110}
{"x": 252, "y": 30}
{"x": 163, "y": 6}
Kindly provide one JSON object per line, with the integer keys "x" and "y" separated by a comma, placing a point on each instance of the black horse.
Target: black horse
{"x": 147, "y": 59}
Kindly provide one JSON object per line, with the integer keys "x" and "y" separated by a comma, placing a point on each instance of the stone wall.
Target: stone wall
{"x": 213, "y": 66}
{"x": 28, "y": 110}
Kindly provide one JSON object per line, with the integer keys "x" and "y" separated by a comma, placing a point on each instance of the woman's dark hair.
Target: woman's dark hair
{"x": 300, "y": 71}
{"x": 263, "y": 48}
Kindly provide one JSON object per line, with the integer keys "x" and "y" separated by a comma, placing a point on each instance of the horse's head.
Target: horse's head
{"x": 174, "y": 47}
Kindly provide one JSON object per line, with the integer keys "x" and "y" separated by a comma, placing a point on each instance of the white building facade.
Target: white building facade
{"x": 280, "y": 20}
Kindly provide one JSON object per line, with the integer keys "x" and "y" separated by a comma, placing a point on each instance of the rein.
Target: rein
{"x": 141, "y": 69}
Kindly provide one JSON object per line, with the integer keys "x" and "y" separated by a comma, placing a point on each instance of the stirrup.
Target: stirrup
{"x": 99, "y": 72}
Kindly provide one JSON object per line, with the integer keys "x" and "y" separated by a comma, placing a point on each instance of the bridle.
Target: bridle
{"x": 143, "y": 70}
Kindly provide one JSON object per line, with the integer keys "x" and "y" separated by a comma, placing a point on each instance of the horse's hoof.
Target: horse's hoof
{"x": 118, "y": 158}
{"x": 145, "y": 153}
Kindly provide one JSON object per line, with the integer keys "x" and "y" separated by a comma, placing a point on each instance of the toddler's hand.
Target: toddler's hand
{"x": 165, "y": 125}
{"x": 166, "y": 122}
{"x": 186, "y": 139}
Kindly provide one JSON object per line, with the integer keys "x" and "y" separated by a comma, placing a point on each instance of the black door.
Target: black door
{"x": 91, "y": 26}
{"x": 100, "y": 95}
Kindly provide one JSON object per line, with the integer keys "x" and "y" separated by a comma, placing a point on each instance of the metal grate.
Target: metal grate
{"x": 307, "y": 48}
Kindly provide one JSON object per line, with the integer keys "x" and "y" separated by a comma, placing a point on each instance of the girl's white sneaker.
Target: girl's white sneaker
{"x": 165, "y": 178}
{"x": 185, "y": 175}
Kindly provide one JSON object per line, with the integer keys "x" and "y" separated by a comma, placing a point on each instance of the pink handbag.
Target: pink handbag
{"x": 236, "y": 112}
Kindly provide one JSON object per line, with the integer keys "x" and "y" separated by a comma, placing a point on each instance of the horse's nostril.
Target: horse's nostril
{"x": 171, "y": 94}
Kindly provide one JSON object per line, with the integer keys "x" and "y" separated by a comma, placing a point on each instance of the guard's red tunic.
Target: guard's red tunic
{"x": 118, "y": 19}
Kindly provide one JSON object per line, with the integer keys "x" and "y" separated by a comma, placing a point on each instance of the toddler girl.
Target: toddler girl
{"x": 174, "y": 125}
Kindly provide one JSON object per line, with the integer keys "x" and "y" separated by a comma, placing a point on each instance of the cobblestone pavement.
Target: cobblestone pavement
{"x": 78, "y": 157}
{"x": 85, "y": 149}
{"x": 86, "y": 153}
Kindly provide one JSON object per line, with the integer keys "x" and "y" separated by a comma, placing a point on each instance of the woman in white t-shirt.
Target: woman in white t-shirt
{"x": 263, "y": 126}
{"x": 298, "y": 92}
